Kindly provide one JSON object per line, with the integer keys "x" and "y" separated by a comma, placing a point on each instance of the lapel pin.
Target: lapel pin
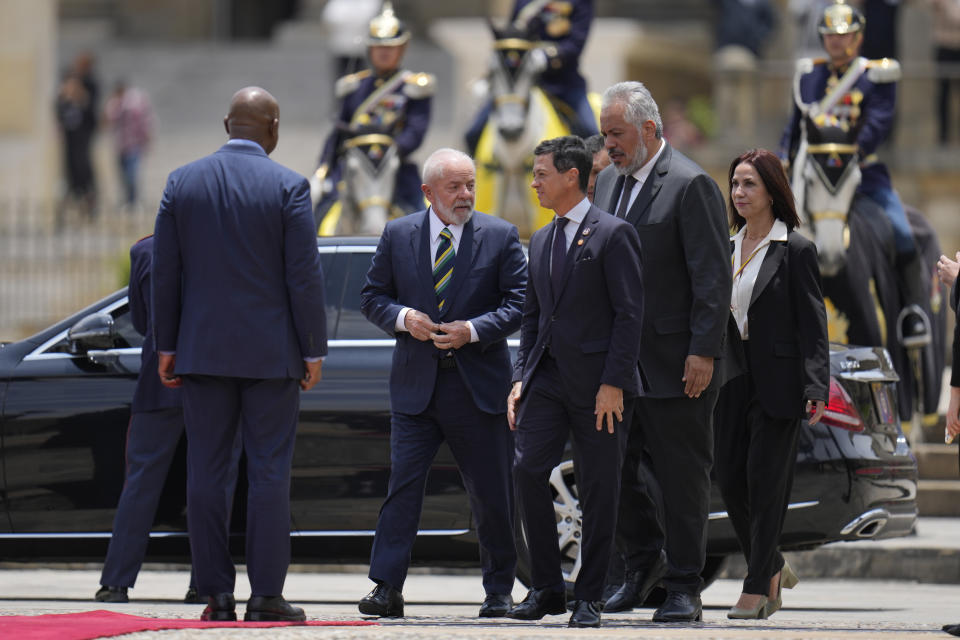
{"x": 586, "y": 231}
{"x": 580, "y": 242}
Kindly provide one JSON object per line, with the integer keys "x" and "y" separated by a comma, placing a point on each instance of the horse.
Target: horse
{"x": 521, "y": 116}
{"x": 854, "y": 240}
{"x": 370, "y": 163}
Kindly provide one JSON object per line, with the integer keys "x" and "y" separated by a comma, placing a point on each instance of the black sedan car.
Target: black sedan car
{"x": 65, "y": 397}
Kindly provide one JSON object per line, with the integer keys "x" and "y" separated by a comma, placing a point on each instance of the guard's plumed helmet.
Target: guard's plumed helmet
{"x": 386, "y": 30}
{"x": 840, "y": 18}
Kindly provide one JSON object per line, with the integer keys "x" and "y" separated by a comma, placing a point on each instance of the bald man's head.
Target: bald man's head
{"x": 254, "y": 115}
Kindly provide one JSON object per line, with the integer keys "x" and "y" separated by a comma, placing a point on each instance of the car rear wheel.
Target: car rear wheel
{"x": 569, "y": 519}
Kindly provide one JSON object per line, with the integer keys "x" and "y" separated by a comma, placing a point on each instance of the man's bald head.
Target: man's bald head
{"x": 254, "y": 115}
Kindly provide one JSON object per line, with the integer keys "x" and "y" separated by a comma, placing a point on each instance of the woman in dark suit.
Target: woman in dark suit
{"x": 778, "y": 307}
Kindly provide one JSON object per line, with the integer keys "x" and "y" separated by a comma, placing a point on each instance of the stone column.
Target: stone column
{"x": 29, "y": 169}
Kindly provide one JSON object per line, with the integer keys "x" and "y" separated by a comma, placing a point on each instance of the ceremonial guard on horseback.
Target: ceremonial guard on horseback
{"x": 364, "y": 174}
{"x": 843, "y": 110}
{"x": 533, "y": 91}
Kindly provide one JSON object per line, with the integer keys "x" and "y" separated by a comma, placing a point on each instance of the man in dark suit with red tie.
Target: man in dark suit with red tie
{"x": 576, "y": 375}
{"x": 680, "y": 216}
{"x": 448, "y": 283}
{"x": 239, "y": 322}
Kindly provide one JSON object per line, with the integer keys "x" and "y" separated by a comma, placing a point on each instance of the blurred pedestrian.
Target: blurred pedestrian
{"x": 76, "y": 111}
{"x": 946, "y": 41}
{"x": 130, "y": 118}
{"x": 156, "y": 425}
{"x": 778, "y": 307}
{"x": 450, "y": 374}
{"x": 239, "y": 320}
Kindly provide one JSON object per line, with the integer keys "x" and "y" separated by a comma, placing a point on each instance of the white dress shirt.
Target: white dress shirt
{"x": 641, "y": 176}
{"x": 575, "y": 216}
{"x": 745, "y": 276}
{"x": 436, "y": 226}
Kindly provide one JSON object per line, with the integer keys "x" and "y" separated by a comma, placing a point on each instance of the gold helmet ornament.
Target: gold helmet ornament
{"x": 386, "y": 30}
{"x": 840, "y": 18}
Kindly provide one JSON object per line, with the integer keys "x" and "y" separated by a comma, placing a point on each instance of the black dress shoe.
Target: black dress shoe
{"x": 679, "y": 607}
{"x": 111, "y": 594}
{"x": 383, "y": 601}
{"x": 586, "y": 613}
{"x": 496, "y": 605}
{"x": 637, "y": 586}
{"x": 539, "y": 603}
{"x": 220, "y": 608}
{"x": 272, "y": 609}
{"x": 952, "y": 629}
{"x": 193, "y": 597}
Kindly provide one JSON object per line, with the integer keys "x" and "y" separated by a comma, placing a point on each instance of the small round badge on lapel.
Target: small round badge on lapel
{"x": 580, "y": 242}
{"x": 586, "y": 231}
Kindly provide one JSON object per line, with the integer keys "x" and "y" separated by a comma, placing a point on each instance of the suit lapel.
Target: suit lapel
{"x": 776, "y": 251}
{"x": 539, "y": 247}
{"x": 469, "y": 245}
{"x": 423, "y": 261}
{"x": 585, "y": 232}
{"x": 651, "y": 186}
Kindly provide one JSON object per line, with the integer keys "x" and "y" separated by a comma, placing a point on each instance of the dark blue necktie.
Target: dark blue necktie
{"x": 558, "y": 255}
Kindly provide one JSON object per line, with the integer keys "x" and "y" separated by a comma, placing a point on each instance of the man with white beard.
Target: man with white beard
{"x": 680, "y": 216}
{"x": 448, "y": 284}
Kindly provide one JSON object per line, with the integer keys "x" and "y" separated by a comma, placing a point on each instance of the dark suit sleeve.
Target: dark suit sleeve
{"x": 303, "y": 273}
{"x": 624, "y": 276}
{"x": 499, "y": 323}
{"x": 706, "y": 246}
{"x": 378, "y": 298}
{"x": 138, "y": 293}
{"x": 876, "y": 117}
{"x": 418, "y": 119}
{"x": 811, "y": 320}
{"x": 167, "y": 273}
{"x": 530, "y": 321}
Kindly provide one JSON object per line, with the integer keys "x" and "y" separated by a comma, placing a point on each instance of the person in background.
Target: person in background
{"x": 601, "y": 160}
{"x": 156, "y": 426}
{"x": 129, "y": 117}
{"x": 946, "y": 41}
{"x": 384, "y": 99}
{"x": 778, "y": 307}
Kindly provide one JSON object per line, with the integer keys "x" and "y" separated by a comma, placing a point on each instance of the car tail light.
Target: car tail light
{"x": 840, "y": 411}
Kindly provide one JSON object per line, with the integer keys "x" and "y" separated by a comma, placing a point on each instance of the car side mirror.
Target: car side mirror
{"x": 96, "y": 331}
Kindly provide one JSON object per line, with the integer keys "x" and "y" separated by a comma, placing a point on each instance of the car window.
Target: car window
{"x": 334, "y": 272}
{"x": 353, "y": 325}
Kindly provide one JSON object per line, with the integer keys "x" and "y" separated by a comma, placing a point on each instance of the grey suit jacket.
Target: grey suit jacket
{"x": 681, "y": 219}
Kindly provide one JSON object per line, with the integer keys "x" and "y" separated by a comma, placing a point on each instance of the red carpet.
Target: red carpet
{"x": 104, "y": 624}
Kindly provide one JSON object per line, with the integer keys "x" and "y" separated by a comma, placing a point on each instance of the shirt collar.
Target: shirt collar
{"x": 579, "y": 212}
{"x": 436, "y": 226}
{"x": 643, "y": 172}
{"x": 778, "y": 233}
{"x": 242, "y": 142}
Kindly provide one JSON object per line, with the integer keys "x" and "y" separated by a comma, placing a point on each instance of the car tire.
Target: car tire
{"x": 566, "y": 504}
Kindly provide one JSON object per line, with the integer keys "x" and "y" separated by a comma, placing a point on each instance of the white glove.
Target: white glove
{"x": 537, "y": 60}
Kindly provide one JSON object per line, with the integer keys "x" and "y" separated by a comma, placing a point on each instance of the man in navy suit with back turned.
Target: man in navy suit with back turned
{"x": 448, "y": 282}
{"x": 156, "y": 424}
{"x": 239, "y": 320}
{"x": 576, "y": 375}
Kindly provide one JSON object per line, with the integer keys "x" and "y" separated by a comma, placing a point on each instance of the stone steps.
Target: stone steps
{"x": 938, "y": 492}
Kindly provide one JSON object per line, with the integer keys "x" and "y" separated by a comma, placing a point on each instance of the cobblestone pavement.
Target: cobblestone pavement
{"x": 445, "y": 606}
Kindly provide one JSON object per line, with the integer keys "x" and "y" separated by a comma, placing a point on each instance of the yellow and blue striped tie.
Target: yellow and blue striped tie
{"x": 443, "y": 265}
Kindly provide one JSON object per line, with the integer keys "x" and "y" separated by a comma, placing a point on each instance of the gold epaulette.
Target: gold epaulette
{"x": 419, "y": 85}
{"x": 348, "y": 84}
{"x": 883, "y": 70}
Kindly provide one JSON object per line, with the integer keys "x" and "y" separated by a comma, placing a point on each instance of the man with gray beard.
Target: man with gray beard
{"x": 448, "y": 284}
{"x": 679, "y": 214}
